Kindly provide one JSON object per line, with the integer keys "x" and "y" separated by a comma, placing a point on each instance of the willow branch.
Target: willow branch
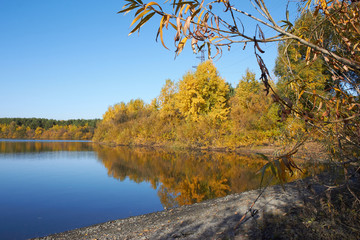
{"x": 348, "y": 62}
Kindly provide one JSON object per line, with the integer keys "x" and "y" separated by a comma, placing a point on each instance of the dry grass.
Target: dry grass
{"x": 333, "y": 214}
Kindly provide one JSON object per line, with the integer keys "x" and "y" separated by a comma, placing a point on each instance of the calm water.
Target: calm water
{"x": 54, "y": 186}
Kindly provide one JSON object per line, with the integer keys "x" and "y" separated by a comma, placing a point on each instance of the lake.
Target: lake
{"x": 53, "y": 186}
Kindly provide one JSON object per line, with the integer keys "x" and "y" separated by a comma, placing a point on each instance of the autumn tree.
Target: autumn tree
{"x": 167, "y": 100}
{"x": 293, "y": 64}
{"x": 202, "y": 93}
{"x": 250, "y": 108}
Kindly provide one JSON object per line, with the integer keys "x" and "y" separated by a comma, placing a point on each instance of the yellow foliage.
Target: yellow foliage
{"x": 167, "y": 100}
{"x": 197, "y": 112}
{"x": 203, "y": 93}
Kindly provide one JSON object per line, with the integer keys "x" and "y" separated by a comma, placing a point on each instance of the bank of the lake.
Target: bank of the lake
{"x": 63, "y": 185}
{"x": 279, "y": 214}
{"x": 309, "y": 151}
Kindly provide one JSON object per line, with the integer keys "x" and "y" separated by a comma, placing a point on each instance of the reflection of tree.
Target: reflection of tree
{"x": 184, "y": 177}
{"x": 42, "y": 146}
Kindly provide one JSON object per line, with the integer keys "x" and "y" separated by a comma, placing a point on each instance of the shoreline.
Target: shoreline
{"x": 313, "y": 147}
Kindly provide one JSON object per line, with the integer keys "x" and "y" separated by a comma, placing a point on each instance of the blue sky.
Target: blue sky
{"x": 73, "y": 58}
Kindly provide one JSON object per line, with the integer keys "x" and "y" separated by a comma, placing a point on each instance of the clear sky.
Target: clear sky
{"x": 73, "y": 58}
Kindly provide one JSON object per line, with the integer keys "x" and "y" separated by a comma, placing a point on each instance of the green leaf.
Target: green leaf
{"x": 277, "y": 163}
{"x": 287, "y": 15}
{"x": 195, "y": 13}
{"x": 263, "y": 156}
{"x": 273, "y": 169}
{"x": 263, "y": 169}
{"x": 287, "y": 23}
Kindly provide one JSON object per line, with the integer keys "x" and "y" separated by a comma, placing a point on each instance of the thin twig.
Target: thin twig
{"x": 252, "y": 205}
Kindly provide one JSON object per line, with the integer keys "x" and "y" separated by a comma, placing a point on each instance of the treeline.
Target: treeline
{"x": 41, "y": 128}
{"x": 199, "y": 111}
{"x": 45, "y": 123}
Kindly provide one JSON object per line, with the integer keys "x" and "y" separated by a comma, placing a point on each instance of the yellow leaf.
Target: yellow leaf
{"x": 142, "y": 22}
{"x": 163, "y": 20}
{"x": 150, "y": 4}
{"x": 202, "y": 12}
{"x": 181, "y": 45}
{"x": 301, "y": 93}
{"x": 181, "y": 9}
{"x": 187, "y": 8}
{"x": 307, "y": 57}
{"x": 212, "y": 39}
{"x": 139, "y": 16}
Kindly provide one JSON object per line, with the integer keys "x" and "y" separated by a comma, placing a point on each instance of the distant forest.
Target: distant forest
{"x": 45, "y": 123}
{"x": 42, "y": 128}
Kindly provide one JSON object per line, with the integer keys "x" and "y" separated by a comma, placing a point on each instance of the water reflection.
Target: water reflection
{"x": 184, "y": 177}
{"x": 36, "y": 146}
{"x": 180, "y": 177}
